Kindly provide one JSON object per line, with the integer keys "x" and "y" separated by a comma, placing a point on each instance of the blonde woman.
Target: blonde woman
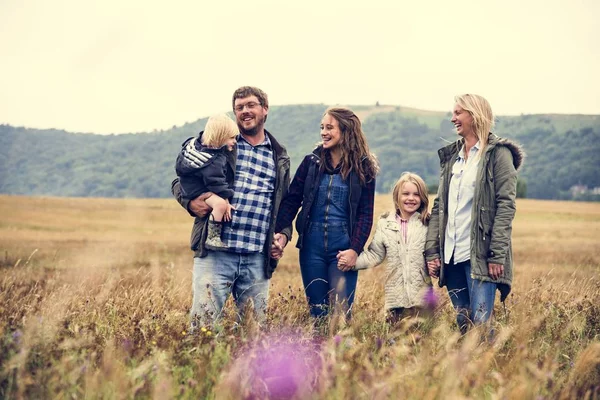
{"x": 400, "y": 238}
{"x": 469, "y": 236}
{"x": 202, "y": 167}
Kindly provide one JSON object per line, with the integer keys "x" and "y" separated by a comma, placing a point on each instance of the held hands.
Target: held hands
{"x": 433, "y": 267}
{"x": 279, "y": 243}
{"x": 346, "y": 259}
{"x": 495, "y": 270}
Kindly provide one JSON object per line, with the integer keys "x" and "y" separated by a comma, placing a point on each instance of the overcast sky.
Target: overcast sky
{"x": 129, "y": 66}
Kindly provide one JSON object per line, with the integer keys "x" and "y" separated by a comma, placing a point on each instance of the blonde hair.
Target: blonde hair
{"x": 481, "y": 111}
{"x": 218, "y": 130}
{"x": 421, "y": 190}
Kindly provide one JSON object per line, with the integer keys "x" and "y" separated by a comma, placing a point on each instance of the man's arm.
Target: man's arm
{"x": 196, "y": 207}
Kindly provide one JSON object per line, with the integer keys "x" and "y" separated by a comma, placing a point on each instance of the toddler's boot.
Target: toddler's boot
{"x": 213, "y": 237}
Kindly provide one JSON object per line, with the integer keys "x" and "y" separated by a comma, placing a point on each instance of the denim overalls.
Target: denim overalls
{"x": 327, "y": 233}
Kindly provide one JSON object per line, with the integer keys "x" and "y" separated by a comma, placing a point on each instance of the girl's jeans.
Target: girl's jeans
{"x": 472, "y": 299}
{"x": 324, "y": 283}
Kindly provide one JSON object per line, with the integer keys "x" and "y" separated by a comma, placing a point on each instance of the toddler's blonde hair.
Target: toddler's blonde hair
{"x": 219, "y": 128}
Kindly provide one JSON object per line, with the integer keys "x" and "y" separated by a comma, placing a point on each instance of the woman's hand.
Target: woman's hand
{"x": 495, "y": 270}
{"x": 433, "y": 267}
{"x": 346, "y": 259}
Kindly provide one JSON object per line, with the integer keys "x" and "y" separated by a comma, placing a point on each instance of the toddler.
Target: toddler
{"x": 202, "y": 167}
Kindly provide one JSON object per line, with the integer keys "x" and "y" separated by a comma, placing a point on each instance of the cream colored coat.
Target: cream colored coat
{"x": 406, "y": 270}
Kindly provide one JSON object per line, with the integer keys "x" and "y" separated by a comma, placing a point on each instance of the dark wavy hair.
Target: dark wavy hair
{"x": 353, "y": 143}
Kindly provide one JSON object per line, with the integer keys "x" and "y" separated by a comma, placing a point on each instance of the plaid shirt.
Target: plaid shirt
{"x": 254, "y": 185}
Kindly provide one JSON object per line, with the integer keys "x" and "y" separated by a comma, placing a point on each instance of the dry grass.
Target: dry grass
{"x": 94, "y": 296}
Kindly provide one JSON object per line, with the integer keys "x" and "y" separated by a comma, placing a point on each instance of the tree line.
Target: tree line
{"x": 562, "y": 151}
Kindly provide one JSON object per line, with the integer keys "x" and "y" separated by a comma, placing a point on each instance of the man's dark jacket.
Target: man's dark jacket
{"x": 282, "y": 183}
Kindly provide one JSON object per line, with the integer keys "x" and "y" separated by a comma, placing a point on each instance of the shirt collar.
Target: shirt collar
{"x": 461, "y": 153}
{"x": 267, "y": 141}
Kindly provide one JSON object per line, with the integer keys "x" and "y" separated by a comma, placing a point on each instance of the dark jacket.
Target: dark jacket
{"x": 492, "y": 214}
{"x": 282, "y": 182}
{"x": 202, "y": 169}
{"x": 302, "y": 192}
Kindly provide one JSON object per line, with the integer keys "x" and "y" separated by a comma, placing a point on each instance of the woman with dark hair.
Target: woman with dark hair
{"x": 469, "y": 236}
{"x": 334, "y": 186}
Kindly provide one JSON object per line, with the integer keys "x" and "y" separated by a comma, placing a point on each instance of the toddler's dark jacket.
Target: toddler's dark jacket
{"x": 202, "y": 169}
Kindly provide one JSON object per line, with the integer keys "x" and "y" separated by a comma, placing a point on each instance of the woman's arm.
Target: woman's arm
{"x": 505, "y": 186}
{"x": 432, "y": 242}
{"x": 293, "y": 199}
{"x": 364, "y": 217}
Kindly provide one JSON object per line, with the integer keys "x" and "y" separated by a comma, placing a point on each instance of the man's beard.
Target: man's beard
{"x": 252, "y": 131}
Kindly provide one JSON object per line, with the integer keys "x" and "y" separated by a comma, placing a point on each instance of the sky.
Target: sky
{"x": 136, "y": 66}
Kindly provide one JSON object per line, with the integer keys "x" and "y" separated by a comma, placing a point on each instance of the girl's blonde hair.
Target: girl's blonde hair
{"x": 421, "y": 189}
{"x": 483, "y": 117}
{"x": 218, "y": 130}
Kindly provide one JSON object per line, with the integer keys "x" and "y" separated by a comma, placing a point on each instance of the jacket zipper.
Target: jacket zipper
{"x": 327, "y": 207}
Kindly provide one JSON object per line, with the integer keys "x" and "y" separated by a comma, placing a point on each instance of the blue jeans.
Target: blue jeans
{"x": 472, "y": 299}
{"x": 221, "y": 273}
{"x": 324, "y": 283}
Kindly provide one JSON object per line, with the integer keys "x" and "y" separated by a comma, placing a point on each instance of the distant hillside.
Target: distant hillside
{"x": 563, "y": 152}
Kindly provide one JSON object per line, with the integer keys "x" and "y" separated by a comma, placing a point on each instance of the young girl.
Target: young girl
{"x": 400, "y": 236}
{"x": 202, "y": 167}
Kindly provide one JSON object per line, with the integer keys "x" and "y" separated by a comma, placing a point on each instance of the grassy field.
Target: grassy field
{"x": 95, "y": 293}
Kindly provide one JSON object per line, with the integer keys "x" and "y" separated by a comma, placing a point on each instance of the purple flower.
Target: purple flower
{"x": 337, "y": 339}
{"x": 430, "y": 299}
{"x": 17, "y": 335}
{"x": 283, "y": 365}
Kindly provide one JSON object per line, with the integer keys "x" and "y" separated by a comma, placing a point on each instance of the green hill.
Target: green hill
{"x": 563, "y": 151}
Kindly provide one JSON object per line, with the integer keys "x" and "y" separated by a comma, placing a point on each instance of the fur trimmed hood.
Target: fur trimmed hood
{"x": 516, "y": 149}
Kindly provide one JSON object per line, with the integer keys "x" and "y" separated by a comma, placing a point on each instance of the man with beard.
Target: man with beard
{"x": 259, "y": 171}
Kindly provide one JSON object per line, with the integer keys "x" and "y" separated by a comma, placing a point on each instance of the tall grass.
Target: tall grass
{"x": 95, "y": 294}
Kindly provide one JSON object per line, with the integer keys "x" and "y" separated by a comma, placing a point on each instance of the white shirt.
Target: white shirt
{"x": 460, "y": 202}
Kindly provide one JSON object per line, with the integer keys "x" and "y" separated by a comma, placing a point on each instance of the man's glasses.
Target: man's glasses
{"x": 250, "y": 106}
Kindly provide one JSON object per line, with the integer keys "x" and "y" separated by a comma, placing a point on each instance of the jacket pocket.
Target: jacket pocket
{"x": 486, "y": 223}
{"x": 486, "y": 219}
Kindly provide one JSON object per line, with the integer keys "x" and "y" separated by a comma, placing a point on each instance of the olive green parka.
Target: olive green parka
{"x": 492, "y": 214}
